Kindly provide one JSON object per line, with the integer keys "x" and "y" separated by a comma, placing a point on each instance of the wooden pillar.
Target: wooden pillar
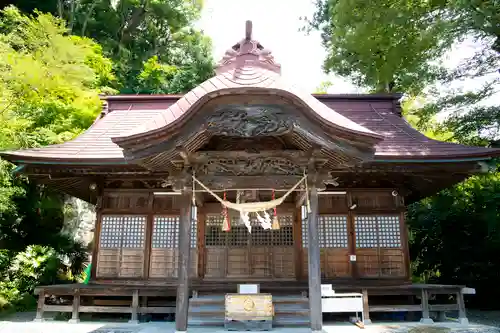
{"x": 75, "y": 318}
{"x": 462, "y": 316}
{"x": 75, "y": 314}
{"x": 182, "y": 302}
{"x": 366, "y": 308}
{"x": 426, "y": 319}
{"x": 40, "y": 306}
{"x": 96, "y": 236}
{"x": 314, "y": 267}
{"x": 134, "y": 318}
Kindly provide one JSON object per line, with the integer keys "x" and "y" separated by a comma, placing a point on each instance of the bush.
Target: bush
{"x": 73, "y": 254}
{"x": 5, "y": 261}
{"x": 36, "y": 265}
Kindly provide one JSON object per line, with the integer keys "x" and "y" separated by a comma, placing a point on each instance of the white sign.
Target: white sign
{"x": 326, "y": 290}
{"x": 342, "y": 303}
{"x": 248, "y": 289}
{"x": 352, "y": 257}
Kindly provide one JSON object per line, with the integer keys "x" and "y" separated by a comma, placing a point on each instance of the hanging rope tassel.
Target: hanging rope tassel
{"x": 308, "y": 202}
{"x": 276, "y": 222}
{"x": 226, "y": 225}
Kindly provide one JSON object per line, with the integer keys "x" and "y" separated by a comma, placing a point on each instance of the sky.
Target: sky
{"x": 276, "y": 26}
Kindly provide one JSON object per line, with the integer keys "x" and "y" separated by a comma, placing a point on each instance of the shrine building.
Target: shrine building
{"x": 247, "y": 179}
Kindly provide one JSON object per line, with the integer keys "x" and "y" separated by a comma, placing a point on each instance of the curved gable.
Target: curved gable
{"x": 246, "y": 70}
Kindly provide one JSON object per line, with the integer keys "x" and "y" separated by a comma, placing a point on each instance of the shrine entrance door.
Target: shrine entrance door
{"x": 238, "y": 254}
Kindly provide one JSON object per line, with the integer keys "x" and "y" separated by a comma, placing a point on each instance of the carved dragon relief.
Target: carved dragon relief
{"x": 250, "y": 167}
{"x": 249, "y": 121}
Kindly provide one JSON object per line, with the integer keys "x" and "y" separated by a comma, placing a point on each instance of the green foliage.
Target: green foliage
{"x": 49, "y": 86}
{"x": 456, "y": 236}
{"x": 399, "y": 45}
{"x": 323, "y": 87}
{"x": 23, "y": 272}
{"x": 152, "y": 43}
{"x": 49, "y": 81}
{"x": 36, "y": 265}
{"x": 382, "y": 44}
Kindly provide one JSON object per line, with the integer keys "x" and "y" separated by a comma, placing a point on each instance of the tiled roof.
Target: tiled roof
{"x": 401, "y": 140}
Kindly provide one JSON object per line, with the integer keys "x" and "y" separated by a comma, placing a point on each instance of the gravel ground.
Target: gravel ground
{"x": 23, "y": 323}
{"x": 490, "y": 318}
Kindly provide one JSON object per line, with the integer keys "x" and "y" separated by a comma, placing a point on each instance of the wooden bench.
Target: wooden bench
{"x": 426, "y": 291}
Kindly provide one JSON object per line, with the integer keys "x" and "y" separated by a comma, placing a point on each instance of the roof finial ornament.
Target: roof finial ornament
{"x": 248, "y": 30}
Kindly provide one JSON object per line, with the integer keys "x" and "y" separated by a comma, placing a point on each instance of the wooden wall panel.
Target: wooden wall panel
{"x": 373, "y": 200}
{"x": 132, "y": 263}
{"x": 335, "y": 263}
{"x": 240, "y": 254}
{"x": 283, "y": 262}
{"x": 392, "y": 263}
{"x": 367, "y": 262}
{"x": 332, "y": 204}
{"x": 164, "y": 263}
{"x": 125, "y": 201}
{"x": 215, "y": 259}
{"x": 381, "y": 247}
{"x": 108, "y": 262}
{"x": 237, "y": 263}
{"x": 164, "y": 247}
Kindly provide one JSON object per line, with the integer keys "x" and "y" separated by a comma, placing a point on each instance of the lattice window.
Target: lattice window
{"x": 111, "y": 232}
{"x": 165, "y": 232}
{"x": 133, "y": 231}
{"x": 305, "y": 238}
{"x": 239, "y": 235}
{"x": 388, "y": 231}
{"x": 377, "y": 231}
{"x": 333, "y": 231}
{"x": 122, "y": 231}
{"x": 283, "y": 236}
{"x": 366, "y": 231}
{"x": 259, "y": 235}
{"x": 214, "y": 236}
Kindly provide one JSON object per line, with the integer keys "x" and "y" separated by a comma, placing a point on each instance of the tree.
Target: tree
{"x": 456, "y": 236}
{"x": 323, "y": 87}
{"x": 382, "y": 44}
{"x": 399, "y": 45}
{"x": 49, "y": 85}
{"x": 152, "y": 43}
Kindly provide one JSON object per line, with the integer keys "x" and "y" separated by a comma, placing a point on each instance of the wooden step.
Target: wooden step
{"x": 209, "y": 310}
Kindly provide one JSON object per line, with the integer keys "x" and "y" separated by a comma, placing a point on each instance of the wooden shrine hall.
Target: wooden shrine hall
{"x": 159, "y": 168}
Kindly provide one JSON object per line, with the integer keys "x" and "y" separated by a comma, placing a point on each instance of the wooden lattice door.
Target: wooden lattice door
{"x": 240, "y": 254}
{"x": 379, "y": 246}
